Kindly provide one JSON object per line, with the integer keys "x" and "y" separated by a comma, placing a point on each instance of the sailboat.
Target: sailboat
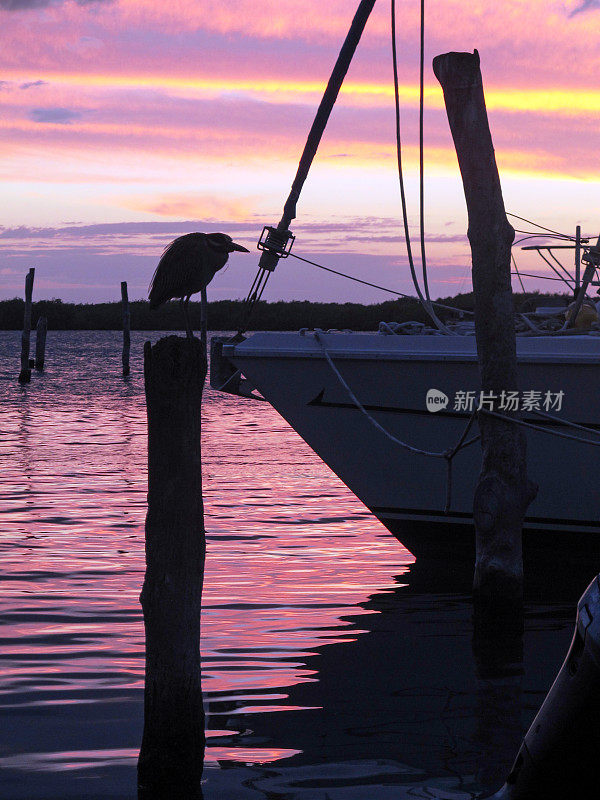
{"x": 394, "y": 415}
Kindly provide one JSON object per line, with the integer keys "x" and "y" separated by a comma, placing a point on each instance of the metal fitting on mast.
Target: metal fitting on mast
{"x": 275, "y": 243}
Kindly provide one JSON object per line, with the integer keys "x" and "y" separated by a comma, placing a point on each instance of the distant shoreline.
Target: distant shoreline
{"x": 226, "y": 314}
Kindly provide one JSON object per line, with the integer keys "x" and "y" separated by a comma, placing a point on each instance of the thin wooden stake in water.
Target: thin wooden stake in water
{"x": 171, "y": 756}
{"x": 40, "y": 343}
{"x": 126, "y": 326}
{"x": 204, "y": 318}
{"x": 25, "y": 374}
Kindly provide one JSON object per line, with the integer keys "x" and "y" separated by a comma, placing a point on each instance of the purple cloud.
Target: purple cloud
{"x": 586, "y": 5}
{"x": 372, "y": 229}
{"x": 120, "y": 229}
{"x": 24, "y": 5}
{"x": 30, "y": 84}
{"x": 56, "y": 114}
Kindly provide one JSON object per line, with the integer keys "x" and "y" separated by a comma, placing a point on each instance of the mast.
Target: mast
{"x": 276, "y": 242}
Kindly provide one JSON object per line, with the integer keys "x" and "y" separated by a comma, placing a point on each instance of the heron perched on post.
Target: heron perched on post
{"x": 187, "y": 266}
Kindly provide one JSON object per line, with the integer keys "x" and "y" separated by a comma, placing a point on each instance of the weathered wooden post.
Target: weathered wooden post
{"x": 25, "y": 374}
{"x": 171, "y": 755}
{"x": 40, "y": 343}
{"x": 126, "y": 327}
{"x": 503, "y": 492}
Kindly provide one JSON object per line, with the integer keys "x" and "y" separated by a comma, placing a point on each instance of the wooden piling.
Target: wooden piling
{"x": 503, "y": 492}
{"x": 40, "y": 343}
{"x": 25, "y": 374}
{"x": 126, "y": 328}
{"x": 171, "y": 756}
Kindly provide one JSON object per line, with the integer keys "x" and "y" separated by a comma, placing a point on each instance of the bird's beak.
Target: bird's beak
{"x": 239, "y": 247}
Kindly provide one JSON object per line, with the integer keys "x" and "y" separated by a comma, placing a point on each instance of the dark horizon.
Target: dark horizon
{"x": 225, "y": 314}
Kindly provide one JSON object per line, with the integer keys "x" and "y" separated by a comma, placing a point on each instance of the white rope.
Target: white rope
{"x": 451, "y": 452}
{"x": 542, "y": 429}
{"x": 447, "y": 454}
{"x": 463, "y": 442}
{"x": 566, "y": 422}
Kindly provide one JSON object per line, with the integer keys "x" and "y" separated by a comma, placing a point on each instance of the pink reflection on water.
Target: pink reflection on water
{"x": 247, "y": 755}
{"x": 290, "y": 551}
{"x": 70, "y": 760}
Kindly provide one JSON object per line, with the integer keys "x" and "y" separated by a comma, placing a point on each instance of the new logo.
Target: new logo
{"x": 435, "y": 400}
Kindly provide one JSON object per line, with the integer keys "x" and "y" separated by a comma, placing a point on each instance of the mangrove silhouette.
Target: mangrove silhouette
{"x": 225, "y": 314}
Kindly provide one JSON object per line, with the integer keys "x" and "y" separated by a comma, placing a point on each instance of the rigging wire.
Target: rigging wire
{"x": 535, "y": 224}
{"x": 514, "y": 261}
{"x": 541, "y": 277}
{"x": 553, "y": 268}
{"x": 425, "y": 302}
{"x": 376, "y": 286}
{"x": 536, "y": 235}
{"x": 421, "y": 154}
{"x": 564, "y": 269}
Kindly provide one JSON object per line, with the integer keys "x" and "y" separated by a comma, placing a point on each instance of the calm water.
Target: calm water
{"x": 334, "y": 668}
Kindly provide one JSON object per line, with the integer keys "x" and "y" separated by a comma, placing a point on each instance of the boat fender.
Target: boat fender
{"x": 560, "y": 754}
{"x": 586, "y": 317}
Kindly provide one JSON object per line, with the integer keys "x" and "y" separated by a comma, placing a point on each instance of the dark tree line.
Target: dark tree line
{"x": 225, "y": 315}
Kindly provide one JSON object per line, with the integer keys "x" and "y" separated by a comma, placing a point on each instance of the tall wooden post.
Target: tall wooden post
{"x": 126, "y": 327}
{"x": 503, "y": 492}
{"x": 171, "y": 756}
{"x": 40, "y": 343}
{"x": 25, "y": 374}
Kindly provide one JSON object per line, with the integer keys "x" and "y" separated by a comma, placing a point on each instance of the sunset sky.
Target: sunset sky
{"x": 128, "y": 122}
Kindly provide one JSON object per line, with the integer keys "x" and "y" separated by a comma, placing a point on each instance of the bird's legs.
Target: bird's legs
{"x": 203, "y": 317}
{"x": 184, "y": 307}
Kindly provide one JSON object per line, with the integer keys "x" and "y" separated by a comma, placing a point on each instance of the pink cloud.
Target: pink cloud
{"x": 148, "y": 107}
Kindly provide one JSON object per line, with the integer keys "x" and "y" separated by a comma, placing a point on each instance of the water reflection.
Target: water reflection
{"x": 413, "y": 705}
{"x": 499, "y": 730}
{"x": 332, "y": 665}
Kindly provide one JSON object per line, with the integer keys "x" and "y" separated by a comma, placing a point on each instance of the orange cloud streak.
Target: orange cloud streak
{"x": 558, "y": 101}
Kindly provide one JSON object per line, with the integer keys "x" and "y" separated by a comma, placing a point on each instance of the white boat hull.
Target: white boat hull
{"x": 390, "y": 376}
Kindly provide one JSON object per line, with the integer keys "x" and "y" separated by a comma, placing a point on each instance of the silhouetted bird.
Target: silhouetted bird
{"x": 187, "y": 266}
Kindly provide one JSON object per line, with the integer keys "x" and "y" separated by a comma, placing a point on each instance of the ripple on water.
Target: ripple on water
{"x": 331, "y": 667}
{"x": 290, "y": 553}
